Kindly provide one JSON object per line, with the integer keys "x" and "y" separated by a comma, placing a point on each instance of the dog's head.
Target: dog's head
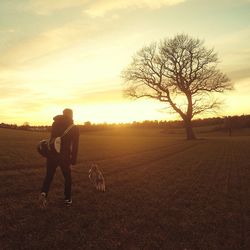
{"x": 93, "y": 168}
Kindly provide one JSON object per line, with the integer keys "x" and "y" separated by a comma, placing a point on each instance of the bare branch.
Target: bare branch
{"x": 173, "y": 67}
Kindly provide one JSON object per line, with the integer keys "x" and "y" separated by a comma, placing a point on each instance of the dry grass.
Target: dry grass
{"x": 162, "y": 193}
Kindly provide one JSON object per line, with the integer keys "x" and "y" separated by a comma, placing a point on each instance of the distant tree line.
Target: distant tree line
{"x": 25, "y": 126}
{"x": 223, "y": 123}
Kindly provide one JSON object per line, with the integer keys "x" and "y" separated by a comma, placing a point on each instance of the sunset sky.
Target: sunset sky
{"x": 70, "y": 53}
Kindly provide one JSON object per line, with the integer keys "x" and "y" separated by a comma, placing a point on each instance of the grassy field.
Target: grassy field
{"x": 163, "y": 192}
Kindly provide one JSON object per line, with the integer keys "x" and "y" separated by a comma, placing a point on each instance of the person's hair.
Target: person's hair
{"x": 68, "y": 113}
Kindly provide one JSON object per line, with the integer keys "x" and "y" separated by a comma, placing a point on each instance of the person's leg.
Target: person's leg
{"x": 51, "y": 169}
{"x": 66, "y": 171}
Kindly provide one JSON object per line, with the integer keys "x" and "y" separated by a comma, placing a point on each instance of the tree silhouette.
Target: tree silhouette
{"x": 180, "y": 72}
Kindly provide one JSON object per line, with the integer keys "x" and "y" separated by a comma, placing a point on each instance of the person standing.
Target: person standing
{"x": 66, "y": 158}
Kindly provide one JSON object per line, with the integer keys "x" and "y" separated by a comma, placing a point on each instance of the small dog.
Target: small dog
{"x": 96, "y": 177}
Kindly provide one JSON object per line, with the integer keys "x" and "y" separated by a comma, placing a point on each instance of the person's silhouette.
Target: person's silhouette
{"x": 66, "y": 158}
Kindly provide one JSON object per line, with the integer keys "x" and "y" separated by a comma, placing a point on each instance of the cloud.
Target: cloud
{"x": 7, "y": 30}
{"x": 100, "y": 8}
{"x": 31, "y": 106}
{"x": 240, "y": 74}
{"x": 96, "y": 7}
{"x": 21, "y": 110}
{"x": 46, "y": 43}
{"x": 14, "y": 91}
{"x": 46, "y": 7}
{"x": 98, "y": 97}
{"x": 83, "y": 97}
{"x": 234, "y": 52}
{"x": 79, "y": 29}
{"x": 17, "y": 101}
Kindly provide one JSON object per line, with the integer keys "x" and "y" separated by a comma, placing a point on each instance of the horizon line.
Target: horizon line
{"x": 123, "y": 123}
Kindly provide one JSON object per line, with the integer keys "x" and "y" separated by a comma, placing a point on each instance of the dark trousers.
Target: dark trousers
{"x": 51, "y": 165}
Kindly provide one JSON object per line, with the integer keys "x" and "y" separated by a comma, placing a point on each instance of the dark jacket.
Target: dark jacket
{"x": 69, "y": 144}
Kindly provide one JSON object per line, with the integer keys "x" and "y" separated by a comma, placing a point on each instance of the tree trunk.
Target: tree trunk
{"x": 189, "y": 130}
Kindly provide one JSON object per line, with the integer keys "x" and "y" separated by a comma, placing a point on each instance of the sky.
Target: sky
{"x": 70, "y": 54}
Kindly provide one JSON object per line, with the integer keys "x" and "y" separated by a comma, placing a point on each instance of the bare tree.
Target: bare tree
{"x": 180, "y": 72}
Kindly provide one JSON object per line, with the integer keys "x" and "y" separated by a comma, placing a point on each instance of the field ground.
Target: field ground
{"x": 163, "y": 192}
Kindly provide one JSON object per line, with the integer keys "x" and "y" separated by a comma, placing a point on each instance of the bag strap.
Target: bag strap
{"x": 67, "y": 130}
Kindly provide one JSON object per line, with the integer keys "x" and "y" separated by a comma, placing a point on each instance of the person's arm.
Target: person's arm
{"x": 75, "y": 143}
{"x": 53, "y": 130}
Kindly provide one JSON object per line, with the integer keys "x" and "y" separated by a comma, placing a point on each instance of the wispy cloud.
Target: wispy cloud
{"x": 7, "y": 30}
{"x": 81, "y": 29}
{"x": 46, "y": 7}
{"x": 99, "y": 7}
{"x": 234, "y": 52}
{"x": 240, "y": 74}
{"x": 97, "y": 97}
{"x": 95, "y": 7}
{"x": 45, "y": 43}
